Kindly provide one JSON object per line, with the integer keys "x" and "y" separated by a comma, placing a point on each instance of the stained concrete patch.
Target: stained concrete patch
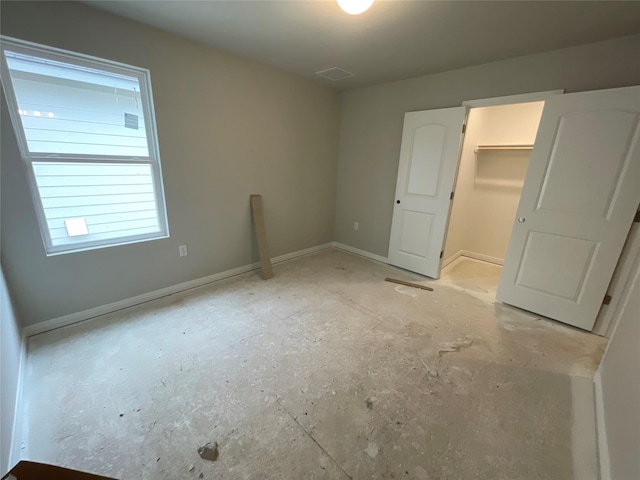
{"x": 372, "y": 449}
{"x": 209, "y": 451}
{"x": 455, "y": 346}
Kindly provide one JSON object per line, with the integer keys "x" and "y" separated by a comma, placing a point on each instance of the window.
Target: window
{"x": 86, "y": 131}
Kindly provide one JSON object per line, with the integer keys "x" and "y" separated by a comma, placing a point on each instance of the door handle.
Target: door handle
{"x": 521, "y": 219}
{"x": 398, "y": 202}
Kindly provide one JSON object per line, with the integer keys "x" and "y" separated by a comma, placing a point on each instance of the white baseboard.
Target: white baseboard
{"x": 461, "y": 253}
{"x": 18, "y": 441}
{"x": 481, "y": 256}
{"x": 452, "y": 258}
{"x": 601, "y": 429}
{"x": 72, "y": 318}
{"x": 300, "y": 253}
{"x": 364, "y": 253}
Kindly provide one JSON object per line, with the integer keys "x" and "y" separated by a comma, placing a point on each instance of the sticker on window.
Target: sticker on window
{"x": 76, "y": 226}
{"x": 131, "y": 121}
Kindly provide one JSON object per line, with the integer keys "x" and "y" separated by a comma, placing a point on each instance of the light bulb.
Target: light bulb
{"x": 354, "y": 7}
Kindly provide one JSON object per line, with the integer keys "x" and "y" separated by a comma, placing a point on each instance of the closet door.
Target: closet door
{"x": 426, "y": 173}
{"x": 579, "y": 198}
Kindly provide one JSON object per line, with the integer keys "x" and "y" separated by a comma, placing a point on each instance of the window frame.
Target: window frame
{"x": 143, "y": 76}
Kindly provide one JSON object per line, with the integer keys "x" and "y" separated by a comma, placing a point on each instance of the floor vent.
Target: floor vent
{"x": 334, "y": 74}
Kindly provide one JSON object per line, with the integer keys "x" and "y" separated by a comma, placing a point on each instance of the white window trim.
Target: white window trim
{"x": 144, "y": 77}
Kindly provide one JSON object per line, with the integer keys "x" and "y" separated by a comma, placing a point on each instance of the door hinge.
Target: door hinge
{"x": 451, "y": 197}
{"x": 464, "y": 127}
{"x": 607, "y": 300}
{"x": 636, "y": 219}
{"x": 441, "y": 254}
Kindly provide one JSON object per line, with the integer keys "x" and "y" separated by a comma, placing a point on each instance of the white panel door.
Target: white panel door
{"x": 579, "y": 198}
{"x": 426, "y": 173}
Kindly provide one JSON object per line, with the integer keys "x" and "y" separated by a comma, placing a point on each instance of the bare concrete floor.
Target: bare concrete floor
{"x": 324, "y": 371}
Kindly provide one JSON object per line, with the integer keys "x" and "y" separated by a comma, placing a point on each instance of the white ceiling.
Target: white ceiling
{"x": 393, "y": 40}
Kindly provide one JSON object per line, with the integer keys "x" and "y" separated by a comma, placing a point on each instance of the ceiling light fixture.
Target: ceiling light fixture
{"x": 354, "y": 7}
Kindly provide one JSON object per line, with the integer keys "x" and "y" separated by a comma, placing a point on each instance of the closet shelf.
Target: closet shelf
{"x": 503, "y": 147}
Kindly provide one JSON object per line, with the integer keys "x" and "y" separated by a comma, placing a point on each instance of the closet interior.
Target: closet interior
{"x": 493, "y": 164}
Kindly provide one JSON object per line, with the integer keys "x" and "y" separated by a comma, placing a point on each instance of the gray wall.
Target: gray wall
{"x": 371, "y": 121}
{"x": 11, "y": 350}
{"x": 620, "y": 383}
{"x": 227, "y": 128}
{"x": 10, "y": 353}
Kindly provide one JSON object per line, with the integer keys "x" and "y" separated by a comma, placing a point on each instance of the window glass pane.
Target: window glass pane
{"x": 113, "y": 200}
{"x": 72, "y": 109}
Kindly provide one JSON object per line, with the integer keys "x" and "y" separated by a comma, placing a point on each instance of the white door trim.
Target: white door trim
{"x": 620, "y": 284}
{"x": 520, "y": 98}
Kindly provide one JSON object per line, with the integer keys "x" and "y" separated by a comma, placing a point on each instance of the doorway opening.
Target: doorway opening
{"x": 493, "y": 163}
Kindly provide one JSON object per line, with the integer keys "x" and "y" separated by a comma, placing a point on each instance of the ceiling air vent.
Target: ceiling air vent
{"x": 334, "y": 74}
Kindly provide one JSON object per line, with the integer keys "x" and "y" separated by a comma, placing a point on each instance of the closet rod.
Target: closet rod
{"x": 504, "y": 147}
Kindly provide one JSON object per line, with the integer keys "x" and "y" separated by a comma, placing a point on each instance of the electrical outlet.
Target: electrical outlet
{"x": 356, "y": 226}
{"x": 183, "y": 250}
